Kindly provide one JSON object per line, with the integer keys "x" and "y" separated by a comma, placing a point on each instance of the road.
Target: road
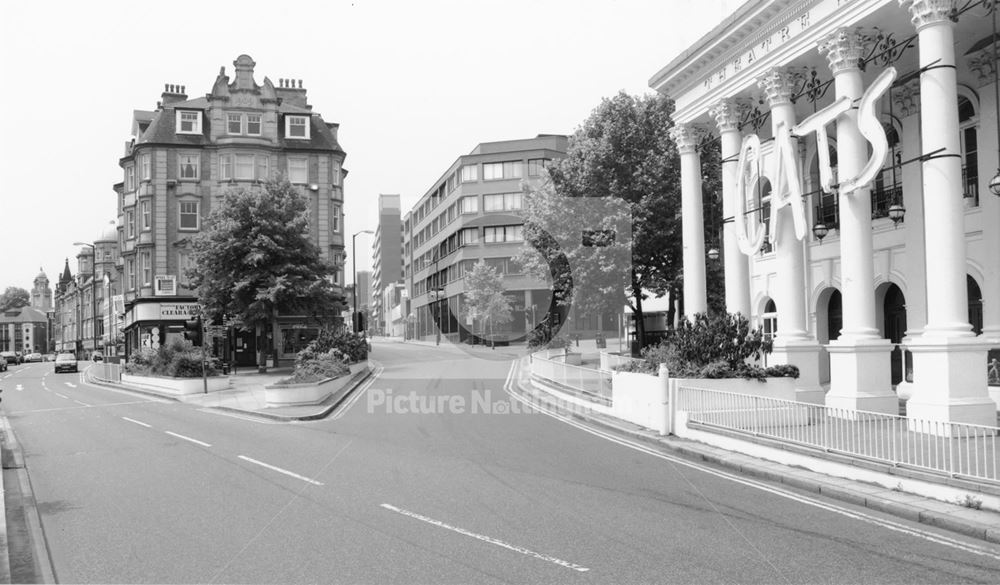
{"x": 132, "y": 489}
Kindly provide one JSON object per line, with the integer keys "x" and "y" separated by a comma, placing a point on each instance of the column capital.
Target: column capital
{"x": 727, "y": 113}
{"x": 686, "y": 137}
{"x": 846, "y": 47}
{"x": 778, "y": 84}
{"x": 907, "y": 98}
{"x": 926, "y": 12}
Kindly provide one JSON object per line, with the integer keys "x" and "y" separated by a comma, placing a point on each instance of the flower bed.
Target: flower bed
{"x": 304, "y": 393}
{"x": 177, "y": 386}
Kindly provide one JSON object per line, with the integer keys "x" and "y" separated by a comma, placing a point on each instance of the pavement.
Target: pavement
{"x": 246, "y": 397}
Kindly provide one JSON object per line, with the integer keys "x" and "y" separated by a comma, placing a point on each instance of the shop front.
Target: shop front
{"x": 150, "y": 324}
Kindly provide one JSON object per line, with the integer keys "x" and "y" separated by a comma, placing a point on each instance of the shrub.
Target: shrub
{"x": 354, "y": 346}
{"x": 313, "y": 366}
{"x": 711, "y": 346}
{"x": 177, "y": 359}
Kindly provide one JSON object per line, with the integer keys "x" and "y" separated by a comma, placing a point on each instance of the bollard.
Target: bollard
{"x": 663, "y": 399}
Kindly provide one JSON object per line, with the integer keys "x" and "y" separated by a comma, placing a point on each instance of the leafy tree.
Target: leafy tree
{"x": 256, "y": 259}
{"x": 624, "y": 151}
{"x": 484, "y": 298}
{"x": 13, "y": 298}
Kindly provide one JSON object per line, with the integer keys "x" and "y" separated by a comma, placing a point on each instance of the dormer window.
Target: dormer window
{"x": 188, "y": 122}
{"x": 297, "y": 127}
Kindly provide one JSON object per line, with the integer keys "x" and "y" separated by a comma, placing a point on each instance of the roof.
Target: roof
{"x": 195, "y": 104}
{"x": 162, "y": 130}
{"x": 23, "y": 315}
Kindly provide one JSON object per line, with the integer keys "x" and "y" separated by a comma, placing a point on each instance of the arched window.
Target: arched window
{"x": 769, "y": 319}
{"x": 888, "y": 188}
{"x": 968, "y": 122}
{"x": 826, "y": 210}
{"x": 764, "y": 212}
{"x": 975, "y": 304}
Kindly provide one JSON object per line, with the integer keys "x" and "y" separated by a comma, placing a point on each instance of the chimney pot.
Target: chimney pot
{"x": 300, "y": 84}
{"x": 166, "y": 87}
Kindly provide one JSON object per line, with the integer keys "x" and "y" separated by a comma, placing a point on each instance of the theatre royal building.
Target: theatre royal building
{"x": 861, "y": 223}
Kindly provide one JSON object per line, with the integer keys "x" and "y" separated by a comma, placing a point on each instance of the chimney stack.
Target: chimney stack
{"x": 172, "y": 94}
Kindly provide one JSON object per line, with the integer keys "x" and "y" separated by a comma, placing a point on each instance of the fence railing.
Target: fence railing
{"x": 594, "y": 385}
{"x": 954, "y": 449}
{"x": 106, "y": 372}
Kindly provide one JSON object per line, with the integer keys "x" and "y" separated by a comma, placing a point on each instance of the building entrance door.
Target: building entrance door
{"x": 895, "y": 328}
{"x": 245, "y": 348}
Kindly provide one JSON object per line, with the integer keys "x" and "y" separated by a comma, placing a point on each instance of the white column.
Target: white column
{"x": 693, "y": 223}
{"x": 949, "y": 361}
{"x": 793, "y": 343}
{"x": 736, "y": 265}
{"x": 860, "y": 370}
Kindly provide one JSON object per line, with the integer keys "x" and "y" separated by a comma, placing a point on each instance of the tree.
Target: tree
{"x": 13, "y": 298}
{"x": 484, "y": 298}
{"x": 256, "y": 259}
{"x": 624, "y": 151}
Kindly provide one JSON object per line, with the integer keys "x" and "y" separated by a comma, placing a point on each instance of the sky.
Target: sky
{"x": 413, "y": 85}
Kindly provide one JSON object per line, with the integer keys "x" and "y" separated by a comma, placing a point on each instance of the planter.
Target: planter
{"x": 176, "y": 386}
{"x": 565, "y": 356}
{"x": 781, "y": 388}
{"x": 310, "y": 392}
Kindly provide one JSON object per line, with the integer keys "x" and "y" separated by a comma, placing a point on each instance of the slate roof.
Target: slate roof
{"x": 162, "y": 130}
{"x": 23, "y": 315}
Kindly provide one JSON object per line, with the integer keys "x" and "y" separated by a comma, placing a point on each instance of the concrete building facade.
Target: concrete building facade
{"x": 387, "y": 252}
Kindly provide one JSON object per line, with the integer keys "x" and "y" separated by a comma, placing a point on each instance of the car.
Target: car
{"x": 49, "y": 357}
{"x": 97, "y": 357}
{"x": 33, "y": 357}
{"x": 65, "y": 362}
{"x": 3, "y": 364}
{"x": 13, "y": 358}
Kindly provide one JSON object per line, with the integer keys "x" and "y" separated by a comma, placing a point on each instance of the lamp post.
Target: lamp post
{"x": 93, "y": 293}
{"x": 354, "y": 269}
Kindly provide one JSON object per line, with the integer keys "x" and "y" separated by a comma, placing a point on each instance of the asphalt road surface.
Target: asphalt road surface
{"x": 473, "y": 487}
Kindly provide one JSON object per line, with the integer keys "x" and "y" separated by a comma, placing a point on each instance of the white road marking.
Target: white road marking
{"x": 140, "y": 423}
{"x": 179, "y": 436}
{"x": 61, "y": 396}
{"x": 888, "y": 524}
{"x": 280, "y": 470}
{"x": 19, "y": 388}
{"x": 81, "y": 403}
{"x": 488, "y": 539}
{"x": 71, "y": 384}
{"x": 356, "y": 395}
{"x": 239, "y": 416}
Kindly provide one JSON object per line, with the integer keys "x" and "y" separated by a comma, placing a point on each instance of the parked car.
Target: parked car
{"x": 3, "y": 364}
{"x": 65, "y": 362}
{"x": 49, "y": 357}
{"x": 13, "y": 358}
{"x": 33, "y": 357}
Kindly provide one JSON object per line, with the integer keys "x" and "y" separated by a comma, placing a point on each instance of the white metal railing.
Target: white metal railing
{"x": 955, "y": 449}
{"x": 106, "y": 372}
{"x": 592, "y": 384}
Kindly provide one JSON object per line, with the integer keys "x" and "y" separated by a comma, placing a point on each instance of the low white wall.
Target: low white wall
{"x": 177, "y": 386}
{"x": 309, "y": 393}
{"x": 639, "y": 399}
{"x": 610, "y": 360}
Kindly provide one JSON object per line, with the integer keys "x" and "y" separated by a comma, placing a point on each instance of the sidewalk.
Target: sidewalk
{"x": 246, "y": 396}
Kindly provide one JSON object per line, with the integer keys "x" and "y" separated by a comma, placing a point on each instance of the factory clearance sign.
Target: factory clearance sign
{"x": 784, "y": 173}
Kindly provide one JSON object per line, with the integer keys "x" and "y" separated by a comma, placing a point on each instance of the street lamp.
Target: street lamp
{"x": 93, "y": 293}
{"x": 354, "y": 269}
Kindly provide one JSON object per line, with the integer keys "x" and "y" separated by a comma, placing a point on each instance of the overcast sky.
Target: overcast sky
{"x": 413, "y": 85}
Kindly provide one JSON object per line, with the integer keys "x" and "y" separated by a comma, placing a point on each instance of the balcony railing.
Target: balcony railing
{"x": 970, "y": 184}
{"x": 884, "y": 197}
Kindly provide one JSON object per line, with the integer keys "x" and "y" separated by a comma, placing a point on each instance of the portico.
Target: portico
{"x": 829, "y": 114}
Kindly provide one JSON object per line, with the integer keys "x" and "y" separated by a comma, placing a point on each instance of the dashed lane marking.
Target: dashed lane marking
{"x": 280, "y": 470}
{"x": 71, "y": 384}
{"x": 180, "y": 436}
{"x": 488, "y": 539}
{"x": 138, "y": 422}
{"x": 62, "y": 396}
